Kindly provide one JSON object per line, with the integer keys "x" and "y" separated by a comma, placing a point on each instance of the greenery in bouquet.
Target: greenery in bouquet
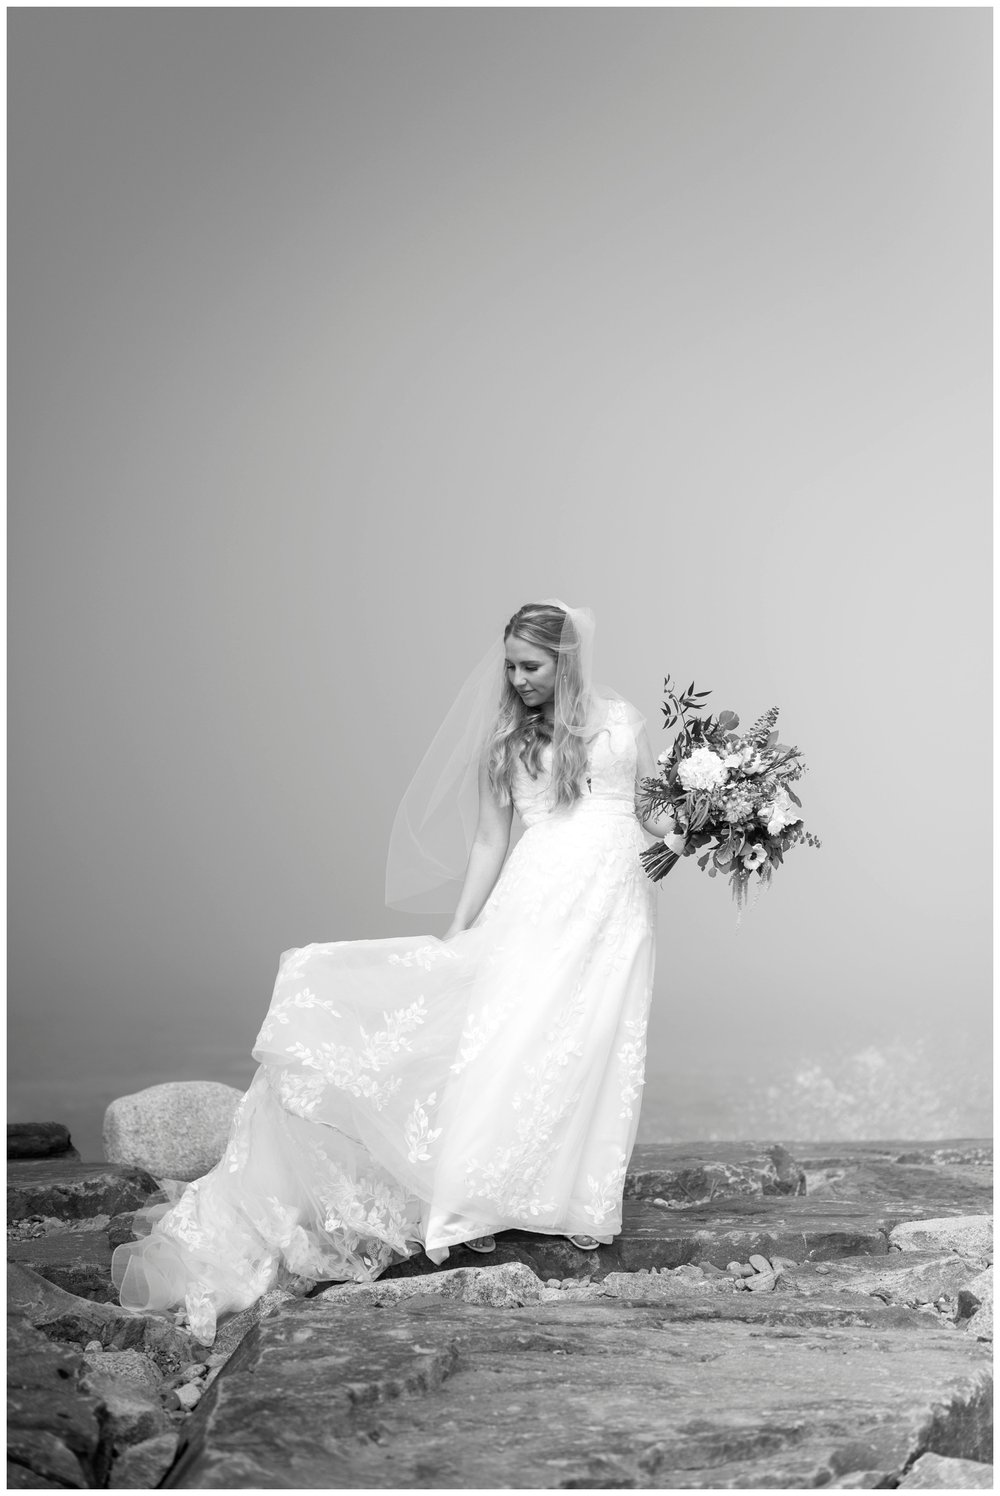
{"x": 730, "y": 794}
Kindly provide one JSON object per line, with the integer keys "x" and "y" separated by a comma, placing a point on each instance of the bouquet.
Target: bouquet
{"x": 728, "y": 792}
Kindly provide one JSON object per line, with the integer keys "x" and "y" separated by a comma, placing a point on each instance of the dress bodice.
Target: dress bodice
{"x": 609, "y": 785}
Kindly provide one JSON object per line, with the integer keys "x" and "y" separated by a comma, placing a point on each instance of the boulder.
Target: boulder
{"x": 142, "y": 1467}
{"x": 969, "y": 1236}
{"x": 177, "y": 1130}
{"x": 71, "y": 1191}
{"x": 39, "y": 1140}
{"x": 935, "y": 1472}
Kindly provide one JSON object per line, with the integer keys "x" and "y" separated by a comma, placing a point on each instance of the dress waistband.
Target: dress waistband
{"x": 599, "y": 805}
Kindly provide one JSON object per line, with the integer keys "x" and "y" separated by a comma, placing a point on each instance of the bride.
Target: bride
{"x": 421, "y": 1092}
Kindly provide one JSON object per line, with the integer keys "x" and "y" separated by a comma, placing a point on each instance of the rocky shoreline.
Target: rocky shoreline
{"x": 771, "y": 1316}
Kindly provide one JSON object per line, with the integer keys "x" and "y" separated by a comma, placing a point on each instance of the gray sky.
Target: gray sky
{"x": 336, "y": 335}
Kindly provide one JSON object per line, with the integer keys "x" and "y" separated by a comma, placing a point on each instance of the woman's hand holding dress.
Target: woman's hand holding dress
{"x": 487, "y": 856}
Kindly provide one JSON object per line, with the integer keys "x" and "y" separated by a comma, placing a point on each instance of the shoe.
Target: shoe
{"x": 584, "y": 1243}
{"x": 482, "y": 1244}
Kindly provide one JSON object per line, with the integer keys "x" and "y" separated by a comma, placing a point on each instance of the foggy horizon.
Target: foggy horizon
{"x": 337, "y": 335}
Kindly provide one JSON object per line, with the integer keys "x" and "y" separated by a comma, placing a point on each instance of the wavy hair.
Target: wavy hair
{"x": 522, "y": 732}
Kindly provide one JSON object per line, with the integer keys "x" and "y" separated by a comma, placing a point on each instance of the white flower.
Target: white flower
{"x": 778, "y": 813}
{"x": 662, "y": 758}
{"x": 754, "y": 856}
{"x": 701, "y": 770}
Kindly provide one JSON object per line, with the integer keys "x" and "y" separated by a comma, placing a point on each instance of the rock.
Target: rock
{"x": 863, "y": 1480}
{"x": 121, "y": 1228}
{"x": 71, "y": 1191}
{"x": 78, "y": 1261}
{"x": 144, "y": 1465}
{"x": 132, "y": 1413}
{"x": 39, "y": 1140}
{"x": 683, "y": 1174}
{"x": 912, "y": 1278}
{"x": 969, "y": 1236}
{"x": 126, "y": 1368}
{"x": 63, "y": 1316}
{"x": 188, "y": 1395}
{"x": 178, "y": 1130}
{"x": 761, "y": 1282}
{"x": 935, "y": 1472}
{"x": 20, "y": 1478}
{"x": 688, "y": 1271}
{"x": 759, "y": 1264}
{"x": 54, "y": 1430}
{"x": 658, "y": 1288}
{"x": 975, "y": 1304}
{"x": 234, "y": 1329}
{"x": 435, "y": 1393}
{"x": 509, "y": 1286}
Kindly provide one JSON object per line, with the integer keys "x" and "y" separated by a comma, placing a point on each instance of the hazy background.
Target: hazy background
{"x": 335, "y": 336}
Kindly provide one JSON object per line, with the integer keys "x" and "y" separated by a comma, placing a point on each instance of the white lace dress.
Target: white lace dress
{"x": 414, "y": 1092}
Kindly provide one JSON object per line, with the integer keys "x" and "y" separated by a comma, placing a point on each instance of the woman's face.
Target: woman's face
{"x": 531, "y": 670}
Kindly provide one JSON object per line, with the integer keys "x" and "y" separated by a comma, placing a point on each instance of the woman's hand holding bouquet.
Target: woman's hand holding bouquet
{"x": 726, "y": 792}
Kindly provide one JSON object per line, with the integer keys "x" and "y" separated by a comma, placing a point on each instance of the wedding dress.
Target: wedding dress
{"x": 414, "y": 1092}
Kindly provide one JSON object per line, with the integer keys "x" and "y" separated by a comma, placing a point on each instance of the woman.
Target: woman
{"x": 417, "y": 1092}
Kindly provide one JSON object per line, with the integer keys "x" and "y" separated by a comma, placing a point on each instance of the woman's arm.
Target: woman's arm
{"x": 659, "y": 826}
{"x": 486, "y": 858}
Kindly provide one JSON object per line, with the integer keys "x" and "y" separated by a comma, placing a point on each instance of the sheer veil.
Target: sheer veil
{"x": 435, "y": 824}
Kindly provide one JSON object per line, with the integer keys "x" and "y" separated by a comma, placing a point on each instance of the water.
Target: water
{"x": 907, "y": 1089}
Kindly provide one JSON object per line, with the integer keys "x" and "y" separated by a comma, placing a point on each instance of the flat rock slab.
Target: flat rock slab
{"x": 437, "y": 1394}
{"x": 789, "y": 1226}
{"x": 78, "y": 1261}
{"x": 74, "y": 1191}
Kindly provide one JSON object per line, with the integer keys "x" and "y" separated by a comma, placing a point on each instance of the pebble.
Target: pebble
{"x": 734, "y": 1268}
{"x": 760, "y": 1282}
{"x": 759, "y": 1264}
{"x": 553, "y": 1282}
{"x": 93, "y": 1347}
{"x": 188, "y": 1396}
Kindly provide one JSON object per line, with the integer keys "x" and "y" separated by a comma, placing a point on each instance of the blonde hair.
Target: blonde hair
{"x": 521, "y": 733}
